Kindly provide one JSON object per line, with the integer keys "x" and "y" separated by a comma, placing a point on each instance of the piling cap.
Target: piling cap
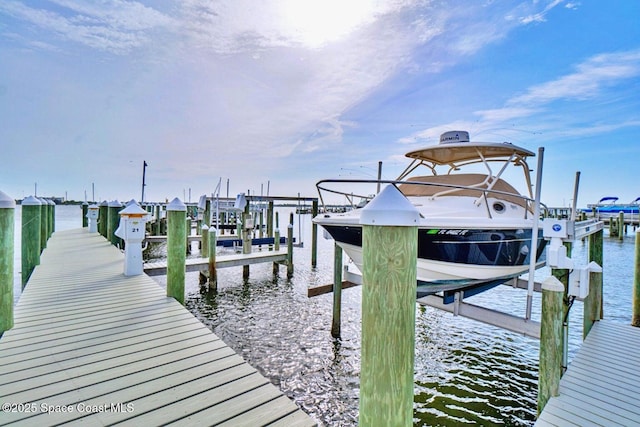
{"x": 114, "y": 204}
{"x": 94, "y": 206}
{"x": 104, "y": 203}
{"x": 6, "y": 202}
{"x": 31, "y": 201}
{"x": 390, "y": 207}
{"x": 51, "y": 202}
{"x": 551, "y": 283}
{"x": 133, "y": 210}
{"x": 176, "y": 205}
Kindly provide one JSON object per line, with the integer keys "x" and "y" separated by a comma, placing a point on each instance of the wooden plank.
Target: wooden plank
{"x": 87, "y": 335}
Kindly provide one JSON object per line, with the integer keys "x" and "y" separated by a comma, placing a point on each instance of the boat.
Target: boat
{"x": 607, "y": 207}
{"x": 475, "y": 227}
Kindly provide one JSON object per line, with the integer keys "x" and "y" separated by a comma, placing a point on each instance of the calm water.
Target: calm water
{"x": 466, "y": 373}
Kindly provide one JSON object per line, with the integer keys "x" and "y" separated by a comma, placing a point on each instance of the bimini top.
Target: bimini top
{"x": 455, "y": 147}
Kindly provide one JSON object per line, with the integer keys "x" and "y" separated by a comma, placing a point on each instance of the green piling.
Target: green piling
{"x": 389, "y": 249}
{"x": 157, "y": 224}
{"x": 593, "y": 303}
{"x": 204, "y": 252}
{"x": 7, "y": 226}
{"x": 31, "y": 219}
{"x": 337, "y": 291}
{"x": 85, "y": 210}
{"x": 213, "y": 273}
{"x": 290, "y": 250}
{"x": 103, "y": 220}
{"x": 44, "y": 223}
{"x": 176, "y": 249}
{"x": 113, "y": 219}
{"x": 621, "y": 225}
{"x": 52, "y": 217}
{"x": 551, "y": 341}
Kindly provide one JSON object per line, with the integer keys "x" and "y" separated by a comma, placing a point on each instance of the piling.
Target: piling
{"x": 551, "y": 340}
{"x": 103, "y": 211}
{"x": 44, "y": 223}
{"x": 246, "y": 237}
{"x": 389, "y": 245}
{"x": 635, "y": 318}
{"x": 176, "y": 249}
{"x": 337, "y": 291}
{"x": 31, "y": 218}
{"x": 113, "y": 218}
{"x": 7, "y": 225}
{"x": 213, "y": 275}
{"x": 593, "y": 303}
{"x": 157, "y": 224}
{"x": 85, "y": 210}
{"x": 204, "y": 251}
{"x": 290, "y": 249}
{"x": 621, "y": 225}
{"x": 52, "y": 217}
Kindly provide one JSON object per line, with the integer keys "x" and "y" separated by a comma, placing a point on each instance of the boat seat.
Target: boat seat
{"x": 463, "y": 180}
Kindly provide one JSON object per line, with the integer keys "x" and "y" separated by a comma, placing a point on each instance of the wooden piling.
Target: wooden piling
{"x": 204, "y": 251}
{"x": 52, "y": 217}
{"x": 157, "y": 224}
{"x": 551, "y": 341}
{"x": 30, "y": 241}
{"x": 7, "y": 224}
{"x": 290, "y": 250}
{"x": 337, "y": 291}
{"x": 213, "y": 275}
{"x": 103, "y": 219}
{"x": 85, "y": 210}
{"x": 113, "y": 218}
{"x": 635, "y": 318}
{"x": 593, "y": 303}
{"x": 389, "y": 245}
{"x": 176, "y": 249}
{"x": 44, "y": 223}
{"x": 621, "y": 225}
{"x": 246, "y": 237}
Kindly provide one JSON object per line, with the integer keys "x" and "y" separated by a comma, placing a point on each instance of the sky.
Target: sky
{"x": 275, "y": 95}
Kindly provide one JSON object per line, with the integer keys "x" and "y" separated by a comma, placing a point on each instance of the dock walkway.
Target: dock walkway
{"x": 602, "y": 384}
{"x": 93, "y": 347}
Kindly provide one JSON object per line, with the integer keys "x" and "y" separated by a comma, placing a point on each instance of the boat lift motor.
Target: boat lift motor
{"x": 558, "y": 231}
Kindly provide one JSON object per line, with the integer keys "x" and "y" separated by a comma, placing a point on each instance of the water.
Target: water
{"x": 466, "y": 373}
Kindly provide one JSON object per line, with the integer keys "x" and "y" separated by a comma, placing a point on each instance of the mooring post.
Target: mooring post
{"x": 290, "y": 248}
{"x": 113, "y": 218}
{"x": 247, "y": 225}
{"x": 156, "y": 224}
{"x": 635, "y": 319}
{"x": 44, "y": 223}
{"x": 52, "y": 217}
{"x": 551, "y": 341}
{"x": 204, "y": 232}
{"x": 7, "y": 225}
{"x": 593, "y": 303}
{"x": 314, "y": 235}
{"x": 389, "y": 249}
{"x": 213, "y": 273}
{"x": 31, "y": 218}
{"x": 337, "y": 291}
{"x": 176, "y": 249}
{"x": 621, "y": 225}
{"x": 270, "y": 219}
{"x": 85, "y": 210}
{"x": 186, "y": 238}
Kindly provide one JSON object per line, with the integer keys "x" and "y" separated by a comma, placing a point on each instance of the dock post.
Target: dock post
{"x": 157, "y": 221}
{"x": 176, "y": 249}
{"x": 85, "y": 210}
{"x": 276, "y": 246}
{"x": 204, "y": 232}
{"x": 52, "y": 217}
{"x": 290, "y": 248}
{"x": 635, "y": 318}
{"x": 7, "y": 226}
{"x": 551, "y": 340}
{"x": 186, "y": 238}
{"x": 337, "y": 291}
{"x": 621, "y": 225}
{"x": 31, "y": 218}
{"x": 270, "y": 219}
{"x": 593, "y": 303}
{"x": 113, "y": 218}
{"x": 389, "y": 244}
{"x": 44, "y": 223}
{"x": 314, "y": 235}
{"x": 213, "y": 274}
{"x": 247, "y": 224}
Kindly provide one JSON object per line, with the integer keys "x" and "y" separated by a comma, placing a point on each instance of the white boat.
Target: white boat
{"x": 475, "y": 228}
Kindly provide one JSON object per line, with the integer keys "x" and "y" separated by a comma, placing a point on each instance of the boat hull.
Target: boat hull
{"x": 451, "y": 259}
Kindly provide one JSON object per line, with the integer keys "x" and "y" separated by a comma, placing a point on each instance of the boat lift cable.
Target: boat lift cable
{"x": 534, "y": 236}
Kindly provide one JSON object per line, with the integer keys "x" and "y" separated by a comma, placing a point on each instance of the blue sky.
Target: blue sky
{"x": 284, "y": 93}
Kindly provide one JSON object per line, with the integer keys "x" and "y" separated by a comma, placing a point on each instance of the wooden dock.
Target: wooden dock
{"x": 602, "y": 384}
{"x": 222, "y": 261}
{"x": 93, "y": 347}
